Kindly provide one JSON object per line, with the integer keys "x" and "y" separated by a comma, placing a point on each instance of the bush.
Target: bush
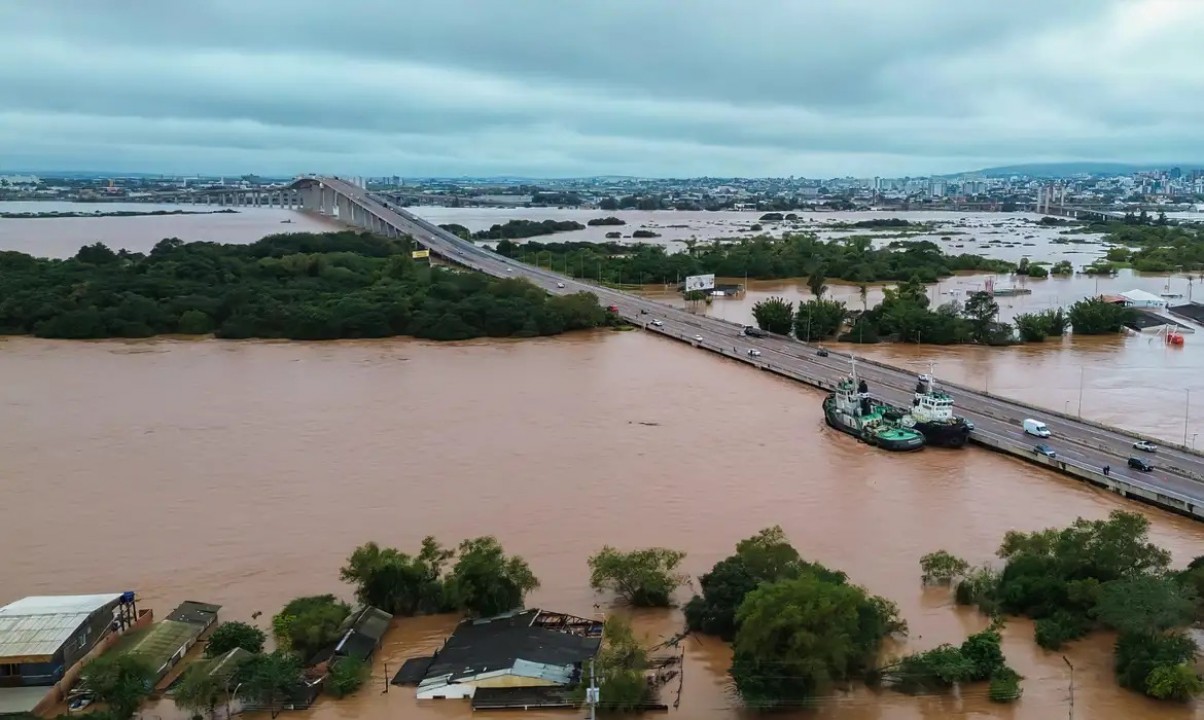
{"x": 644, "y": 578}
{"x": 1173, "y": 682}
{"x": 1054, "y": 631}
{"x": 346, "y": 676}
{"x": 941, "y": 567}
{"x": 230, "y": 635}
{"x": 1005, "y": 686}
{"x": 308, "y": 624}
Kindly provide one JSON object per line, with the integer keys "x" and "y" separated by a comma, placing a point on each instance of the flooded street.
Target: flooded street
{"x": 243, "y": 473}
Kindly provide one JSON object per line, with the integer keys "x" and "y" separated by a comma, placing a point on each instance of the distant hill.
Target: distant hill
{"x": 1053, "y": 170}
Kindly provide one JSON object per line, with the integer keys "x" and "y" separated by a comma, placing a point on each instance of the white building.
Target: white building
{"x": 1142, "y": 299}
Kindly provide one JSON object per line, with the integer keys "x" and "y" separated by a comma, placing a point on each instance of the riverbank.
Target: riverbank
{"x": 116, "y": 213}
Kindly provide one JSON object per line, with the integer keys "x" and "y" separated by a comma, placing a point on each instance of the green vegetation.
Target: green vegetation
{"x": 1100, "y": 574}
{"x": 483, "y": 580}
{"x": 611, "y": 220}
{"x": 1035, "y": 327}
{"x": 518, "y": 229}
{"x": 347, "y": 675}
{"x": 764, "y": 258}
{"x": 819, "y": 319}
{"x": 229, "y": 635}
{"x": 200, "y": 691}
{"x": 1032, "y": 270}
{"x": 796, "y": 638}
{"x": 397, "y": 583}
{"x": 121, "y": 681}
{"x": 1155, "y": 246}
{"x": 270, "y": 679}
{"x": 978, "y": 659}
{"x": 1062, "y": 267}
{"x": 1096, "y": 316}
{"x": 306, "y": 625}
{"x": 298, "y": 286}
{"x": 644, "y": 578}
{"x": 621, "y": 667}
{"x": 775, "y": 315}
{"x": 941, "y": 568}
{"x": 798, "y": 627}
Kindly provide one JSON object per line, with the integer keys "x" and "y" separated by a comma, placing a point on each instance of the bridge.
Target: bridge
{"x": 1084, "y": 447}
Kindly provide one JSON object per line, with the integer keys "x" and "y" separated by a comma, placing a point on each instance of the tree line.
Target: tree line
{"x": 1093, "y": 575}
{"x": 851, "y": 259}
{"x": 301, "y": 286}
{"x": 905, "y": 315}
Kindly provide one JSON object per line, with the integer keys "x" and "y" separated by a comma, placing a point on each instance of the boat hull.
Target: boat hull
{"x": 948, "y": 435}
{"x": 849, "y": 426}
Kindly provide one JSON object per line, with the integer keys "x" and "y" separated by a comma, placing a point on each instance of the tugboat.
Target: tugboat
{"x": 850, "y": 409}
{"x": 932, "y": 415}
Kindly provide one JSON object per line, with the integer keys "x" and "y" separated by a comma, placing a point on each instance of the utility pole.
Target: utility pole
{"x": 591, "y": 694}
{"x": 1082, "y": 376}
{"x": 1071, "y": 715}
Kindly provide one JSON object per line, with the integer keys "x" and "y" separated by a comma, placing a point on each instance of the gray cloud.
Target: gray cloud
{"x": 544, "y": 87}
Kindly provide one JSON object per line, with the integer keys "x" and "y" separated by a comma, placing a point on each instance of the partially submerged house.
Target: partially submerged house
{"x": 165, "y": 643}
{"x": 521, "y": 649}
{"x": 363, "y": 632}
{"x": 44, "y": 638}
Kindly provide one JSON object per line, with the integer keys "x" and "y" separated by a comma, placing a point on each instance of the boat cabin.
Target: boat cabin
{"x": 930, "y": 404}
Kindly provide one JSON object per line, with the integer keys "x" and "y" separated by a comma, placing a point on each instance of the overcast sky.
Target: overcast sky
{"x": 672, "y": 88}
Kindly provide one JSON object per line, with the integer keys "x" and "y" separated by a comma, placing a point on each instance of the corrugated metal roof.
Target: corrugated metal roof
{"x": 38, "y": 626}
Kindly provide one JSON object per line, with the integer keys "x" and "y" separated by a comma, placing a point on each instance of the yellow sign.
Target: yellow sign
{"x": 420, "y": 254}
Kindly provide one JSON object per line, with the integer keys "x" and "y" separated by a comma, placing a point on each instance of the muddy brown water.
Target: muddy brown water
{"x": 243, "y": 473}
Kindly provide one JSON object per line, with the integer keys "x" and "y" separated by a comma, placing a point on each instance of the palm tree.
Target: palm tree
{"x": 864, "y": 291}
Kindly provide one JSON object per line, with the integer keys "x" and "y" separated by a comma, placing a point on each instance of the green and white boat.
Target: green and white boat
{"x": 850, "y": 409}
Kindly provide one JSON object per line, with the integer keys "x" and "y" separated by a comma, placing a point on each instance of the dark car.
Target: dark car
{"x": 1045, "y": 450}
{"x": 1140, "y": 464}
{"x": 822, "y": 353}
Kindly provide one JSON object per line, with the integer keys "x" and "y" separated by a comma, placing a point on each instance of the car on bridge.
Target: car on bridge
{"x": 560, "y": 285}
{"x": 697, "y": 338}
{"x": 1045, "y": 450}
{"x": 753, "y": 352}
{"x": 1145, "y": 446}
{"x": 1141, "y": 464}
{"x": 658, "y": 323}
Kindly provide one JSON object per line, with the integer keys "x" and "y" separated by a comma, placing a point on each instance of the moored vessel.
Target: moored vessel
{"x": 931, "y": 414}
{"x": 851, "y": 410}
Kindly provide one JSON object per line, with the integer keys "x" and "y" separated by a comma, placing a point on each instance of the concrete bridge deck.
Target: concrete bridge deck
{"x": 1083, "y": 447}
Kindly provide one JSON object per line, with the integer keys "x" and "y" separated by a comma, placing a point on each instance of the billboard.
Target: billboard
{"x": 700, "y": 282}
{"x": 417, "y": 254}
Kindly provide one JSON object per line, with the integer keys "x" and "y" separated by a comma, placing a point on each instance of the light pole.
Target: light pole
{"x": 1186, "y": 412}
{"x": 1082, "y": 375}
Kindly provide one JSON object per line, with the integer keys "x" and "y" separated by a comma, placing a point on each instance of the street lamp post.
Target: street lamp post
{"x": 1186, "y": 412}
{"x": 1082, "y": 376}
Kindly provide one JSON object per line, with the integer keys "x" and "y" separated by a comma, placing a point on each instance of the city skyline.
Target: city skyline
{"x": 551, "y": 90}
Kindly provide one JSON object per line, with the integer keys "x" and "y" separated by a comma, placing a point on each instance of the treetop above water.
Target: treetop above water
{"x": 302, "y": 286}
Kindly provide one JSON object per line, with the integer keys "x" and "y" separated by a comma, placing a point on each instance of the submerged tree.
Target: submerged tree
{"x": 396, "y": 582}
{"x": 120, "y": 681}
{"x": 775, "y": 315}
{"x": 485, "y": 582}
{"x": 644, "y": 578}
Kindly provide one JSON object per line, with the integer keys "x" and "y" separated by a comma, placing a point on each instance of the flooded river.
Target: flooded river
{"x": 243, "y": 473}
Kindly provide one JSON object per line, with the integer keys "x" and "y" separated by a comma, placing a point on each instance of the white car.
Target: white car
{"x": 509, "y": 269}
{"x": 753, "y": 352}
{"x": 1145, "y": 445}
{"x": 657, "y": 323}
{"x": 697, "y": 338}
{"x": 560, "y": 285}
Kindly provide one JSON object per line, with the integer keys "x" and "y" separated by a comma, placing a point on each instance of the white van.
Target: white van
{"x": 1036, "y": 427}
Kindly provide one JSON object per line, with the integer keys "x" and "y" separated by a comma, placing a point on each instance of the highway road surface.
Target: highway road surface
{"x": 1178, "y": 473}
